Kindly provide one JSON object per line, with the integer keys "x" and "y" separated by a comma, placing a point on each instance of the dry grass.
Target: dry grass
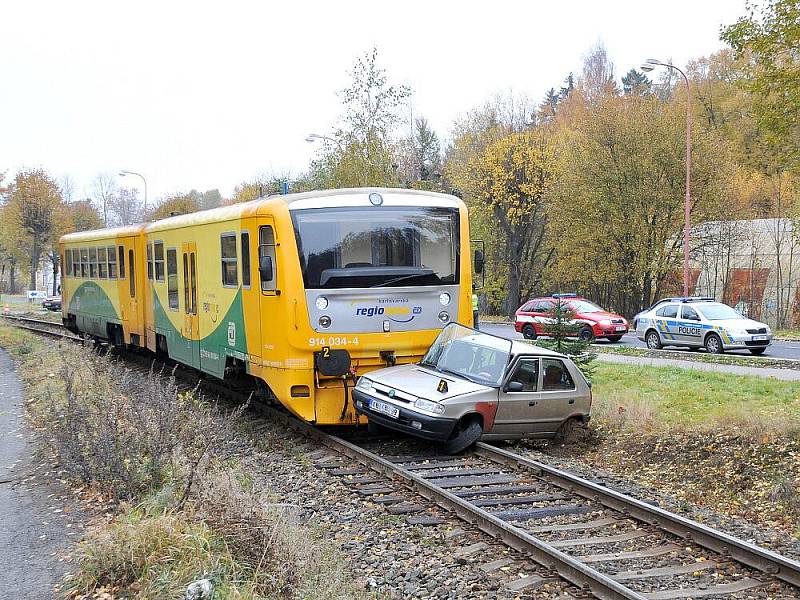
{"x": 184, "y": 517}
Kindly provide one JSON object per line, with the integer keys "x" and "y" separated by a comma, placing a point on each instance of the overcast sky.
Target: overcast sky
{"x": 206, "y": 94}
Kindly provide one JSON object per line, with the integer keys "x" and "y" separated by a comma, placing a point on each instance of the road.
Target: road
{"x": 776, "y": 350}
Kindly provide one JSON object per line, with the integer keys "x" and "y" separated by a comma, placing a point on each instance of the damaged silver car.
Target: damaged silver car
{"x": 471, "y": 385}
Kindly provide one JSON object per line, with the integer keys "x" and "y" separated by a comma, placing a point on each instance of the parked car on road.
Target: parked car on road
{"x": 52, "y": 303}
{"x": 471, "y": 385}
{"x": 533, "y": 317}
{"x": 701, "y": 323}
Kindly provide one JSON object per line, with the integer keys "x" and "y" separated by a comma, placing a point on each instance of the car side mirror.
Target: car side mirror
{"x": 265, "y": 268}
{"x": 479, "y": 261}
{"x": 515, "y": 386}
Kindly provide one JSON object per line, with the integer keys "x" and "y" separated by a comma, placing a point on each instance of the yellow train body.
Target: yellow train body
{"x": 270, "y": 288}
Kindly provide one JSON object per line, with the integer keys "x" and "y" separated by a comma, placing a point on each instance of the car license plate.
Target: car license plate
{"x": 384, "y": 408}
{"x": 621, "y": 328}
{"x": 759, "y": 338}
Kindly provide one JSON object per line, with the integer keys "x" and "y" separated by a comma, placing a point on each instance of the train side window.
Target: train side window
{"x": 102, "y": 263}
{"x": 266, "y": 248}
{"x": 228, "y": 245}
{"x": 149, "y": 260}
{"x": 187, "y": 308}
{"x": 93, "y": 263}
{"x": 172, "y": 278}
{"x": 158, "y": 260}
{"x": 68, "y": 262}
{"x": 131, "y": 274}
{"x": 245, "y": 258}
{"x": 112, "y": 262}
{"x": 122, "y": 262}
{"x": 84, "y": 262}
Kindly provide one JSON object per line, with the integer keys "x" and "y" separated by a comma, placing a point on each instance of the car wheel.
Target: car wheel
{"x": 757, "y": 351}
{"x": 586, "y": 334}
{"x": 572, "y": 431}
{"x": 464, "y": 435}
{"x": 713, "y": 344}
{"x": 614, "y": 338}
{"x": 653, "y": 340}
{"x": 529, "y": 333}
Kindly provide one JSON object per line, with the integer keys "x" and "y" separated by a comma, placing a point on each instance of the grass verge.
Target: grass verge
{"x": 722, "y": 359}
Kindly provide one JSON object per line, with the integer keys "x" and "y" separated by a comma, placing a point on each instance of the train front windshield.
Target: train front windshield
{"x": 377, "y": 246}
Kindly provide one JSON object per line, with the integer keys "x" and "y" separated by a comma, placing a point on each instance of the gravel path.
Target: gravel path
{"x": 35, "y": 527}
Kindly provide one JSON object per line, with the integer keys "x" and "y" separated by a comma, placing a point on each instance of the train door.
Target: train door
{"x": 191, "y": 322}
{"x": 268, "y": 280}
{"x": 129, "y": 294}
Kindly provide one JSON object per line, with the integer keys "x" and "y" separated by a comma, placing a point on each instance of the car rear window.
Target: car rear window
{"x": 670, "y": 311}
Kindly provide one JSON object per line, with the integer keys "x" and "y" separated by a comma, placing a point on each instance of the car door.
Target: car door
{"x": 557, "y": 395}
{"x": 689, "y": 329}
{"x": 541, "y": 313}
{"x": 666, "y": 323}
{"x": 517, "y": 410}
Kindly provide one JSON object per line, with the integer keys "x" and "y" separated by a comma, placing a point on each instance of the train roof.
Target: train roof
{"x": 94, "y": 235}
{"x": 344, "y": 197}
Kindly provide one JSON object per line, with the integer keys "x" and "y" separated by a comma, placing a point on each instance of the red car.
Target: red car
{"x": 532, "y": 318}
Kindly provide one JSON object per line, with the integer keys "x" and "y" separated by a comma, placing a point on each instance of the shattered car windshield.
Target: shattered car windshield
{"x": 467, "y": 353}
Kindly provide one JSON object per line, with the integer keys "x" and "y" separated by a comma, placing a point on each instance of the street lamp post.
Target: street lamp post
{"x": 124, "y": 173}
{"x": 313, "y": 137}
{"x": 648, "y": 66}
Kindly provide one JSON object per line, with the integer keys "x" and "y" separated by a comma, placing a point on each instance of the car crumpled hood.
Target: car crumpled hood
{"x": 422, "y": 382}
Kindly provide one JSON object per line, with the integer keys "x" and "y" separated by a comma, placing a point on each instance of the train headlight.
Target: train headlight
{"x": 429, "y": 406}
{"x": 324, "y": 321}
{"x": 322, "y": 303}
{"x": 444, "y": 316}
{"x": 444, "y": 298}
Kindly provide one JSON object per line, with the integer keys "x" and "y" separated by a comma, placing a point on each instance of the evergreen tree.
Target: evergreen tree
{"x": 636, "y": 83}
{"x": 562, "y": 329}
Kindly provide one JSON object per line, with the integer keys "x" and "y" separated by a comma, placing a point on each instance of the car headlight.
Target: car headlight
{"x": 429, "y": 405}
{"x": 365, "y": 384}
{"x": 737, "y": 332}
{"x": 768, "y": 329}
{"x": 605, "y": 322}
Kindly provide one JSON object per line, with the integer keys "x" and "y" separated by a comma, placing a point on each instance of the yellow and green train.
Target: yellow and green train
{"x": 302, "y": 292}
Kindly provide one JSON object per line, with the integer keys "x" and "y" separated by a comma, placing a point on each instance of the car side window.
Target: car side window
{"x": 687, "y": 312}
{"x": 543, "y": 307}
{"x": 527, "y": 373}
{"x": 669, "y": 311}
{"x": 556, "y": 376}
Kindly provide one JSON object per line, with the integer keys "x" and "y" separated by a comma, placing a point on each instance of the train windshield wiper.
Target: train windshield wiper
{"x": 404, "y": 278}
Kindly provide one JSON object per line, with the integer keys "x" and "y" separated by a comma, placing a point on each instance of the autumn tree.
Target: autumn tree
{"x": 509, "y": 183}
{"x": 179, "y": 204}
{"x": 768, "y": 39}
{"x": 620, "y": 198}
{"x": 361, "y": 151}
{"x": 31, "y": 217}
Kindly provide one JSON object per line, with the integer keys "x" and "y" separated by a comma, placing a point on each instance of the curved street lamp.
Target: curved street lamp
{"x": 124, "y": 173}
{"x": 313, "y": 137}
{"x": 649, "y": 65}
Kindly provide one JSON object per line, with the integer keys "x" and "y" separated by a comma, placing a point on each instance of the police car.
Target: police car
{"x": 700, "y": 323}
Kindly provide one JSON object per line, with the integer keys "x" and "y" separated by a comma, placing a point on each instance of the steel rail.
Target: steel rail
{"x": 744, "y": 552}
{"x": 570, "y": 569}
{"x": 57, "y": 334}
{"x": 30, "y": 320}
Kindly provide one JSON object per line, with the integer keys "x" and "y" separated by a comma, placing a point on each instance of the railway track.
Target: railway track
{"x": 48, "y": 328}
{"x": 605, "y": 543}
